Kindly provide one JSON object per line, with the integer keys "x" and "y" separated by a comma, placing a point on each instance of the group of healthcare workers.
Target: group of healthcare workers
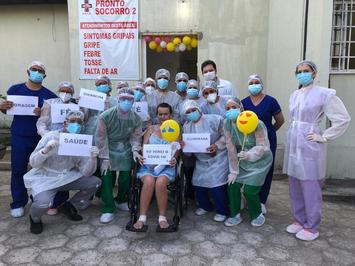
{"x": 235, "y": 170}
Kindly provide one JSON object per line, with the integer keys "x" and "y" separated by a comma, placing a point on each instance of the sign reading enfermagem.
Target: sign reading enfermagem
{"x": 108, "y": 36}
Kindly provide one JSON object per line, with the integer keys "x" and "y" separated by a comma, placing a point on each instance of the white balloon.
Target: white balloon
{"x": 163, "y": 44}
{"x": 177, "y": 49}
{"x": 182, "y": 47}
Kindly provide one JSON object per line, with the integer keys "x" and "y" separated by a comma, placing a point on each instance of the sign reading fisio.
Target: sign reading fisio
{"x": 108, "y": 37}
{"x": 74, "y": 144}
{"x": 157, "y": 154}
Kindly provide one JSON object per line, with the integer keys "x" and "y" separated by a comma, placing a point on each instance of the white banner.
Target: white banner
{"x": 92, "y": 99}
{"x": 59, "y": 111}
{"x": 196, "y": 143}
{"x": 23, "y": 105}
{"x": 74, "y": 144}
{"x": 108, "y": 37}
{"x": 157, "y": 154}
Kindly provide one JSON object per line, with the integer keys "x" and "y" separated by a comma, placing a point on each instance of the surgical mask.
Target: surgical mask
{"x": 181, "y": 86}
{"x": 36, "y": 77}
{"x": 209, "y": 76}
{"x": 105, "y": 88}
{"x": 232, "y": 114}
{"x": 304, "y": 78}
{"x": 125, "y": 105}
{"x": 149, "y": 89}
{"x": 193, "y": 116}
{"x": 211, "y": 98}
{"x": 74, "y": 128}
{"x": 192, "y": 93}
{"x": 138, "y": 95}
{"x": 163, "y": 84}
{"x": 65, "y": 97}
{"x": 255, "y": 89}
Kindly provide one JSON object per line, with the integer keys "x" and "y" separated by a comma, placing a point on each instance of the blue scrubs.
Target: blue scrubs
{"x": 265, "y": 111}
{"x": 24, "y": 139}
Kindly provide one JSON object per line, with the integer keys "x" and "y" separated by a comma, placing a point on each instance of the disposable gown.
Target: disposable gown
{"x": 44, "y": 122}
{"x": 210, "y": 171}
{"x": 91, "y": 115}
{"x": 51, "y": 170}
{"x": 215, "y": 108}
{"x": 155, "y": 98}
{"x": 303, "y": 159}
{"x": 117, "y": 135}
{"x": 254, "y": 170}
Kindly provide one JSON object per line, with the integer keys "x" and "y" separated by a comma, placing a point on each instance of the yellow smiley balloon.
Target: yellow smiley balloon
{"x": 247, "y": 122}
{"x": 170, "y": 130}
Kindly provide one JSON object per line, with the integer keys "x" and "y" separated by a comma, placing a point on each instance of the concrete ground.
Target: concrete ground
{"x": 200, "y": 240}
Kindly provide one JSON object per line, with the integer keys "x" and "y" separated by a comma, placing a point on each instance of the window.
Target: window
{"x": 343, "y": 37}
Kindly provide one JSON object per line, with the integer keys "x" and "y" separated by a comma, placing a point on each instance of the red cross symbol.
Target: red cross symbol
{"x": 86, "y": 6}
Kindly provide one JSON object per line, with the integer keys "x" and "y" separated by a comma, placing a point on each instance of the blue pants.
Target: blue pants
{"x": 21, "y": 149}
{"x": 219, "y": 196}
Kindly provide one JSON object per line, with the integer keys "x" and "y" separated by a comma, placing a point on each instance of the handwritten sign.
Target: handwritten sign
{"x": 141, "y": 109}
{"x": 74, "y": 144}
{"x": 92, "y": 99}
{"x": 196, "y": 143}
{"x": 60, "y": 111}
{"x": 23, "y": 105}
{"x": 157, "y": 154}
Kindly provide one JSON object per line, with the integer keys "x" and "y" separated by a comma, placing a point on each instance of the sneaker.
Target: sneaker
{"x": 106, "y": 218}
{"x": 123, "y": 206}
{"x": 219, "y": 217}
{"x": 307, "y": 235}
{"x": 36, "y": 228}
{"x": 231, "y": 221}
{"x": 52, "y": 212}
{"x": 258, "y": 221}
{"x": 70, "y": 212}
{"x": 18, "y": 212}
{"x": 263, "y": 208}
{"x": 294, "y": 228}
{"x": 200, "y": 212}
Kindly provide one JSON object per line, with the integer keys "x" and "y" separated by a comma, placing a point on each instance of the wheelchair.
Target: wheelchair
{"x": 177, "y": 192}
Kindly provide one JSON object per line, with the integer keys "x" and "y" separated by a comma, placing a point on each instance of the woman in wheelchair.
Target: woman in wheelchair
{"x": 153, "y": 181}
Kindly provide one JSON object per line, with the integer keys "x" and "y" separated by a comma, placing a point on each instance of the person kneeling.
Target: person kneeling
{"x": 52, "y": 173}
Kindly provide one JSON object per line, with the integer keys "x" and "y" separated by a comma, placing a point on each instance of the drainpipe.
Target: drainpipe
{"x": 305, "y": 30}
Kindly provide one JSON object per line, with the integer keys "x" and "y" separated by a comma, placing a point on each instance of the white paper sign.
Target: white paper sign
{"x": 92, "y": 99}
{"x": 109, "y": 39}
{"x": 23, "y": 105}
{"x": 74, "y": 144}
{"x": 59, "y": 111}
{"x": 141, "y": 109}
{"x": 157, "y": 154}
{"x": 196, "y": 143}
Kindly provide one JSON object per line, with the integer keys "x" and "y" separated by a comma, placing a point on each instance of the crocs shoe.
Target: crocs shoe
{"x": 106, "y": 218}
{"x": 200, "y": 212}
{"x": 52, "y": 212}
{"x": 18, "y": 212}
{"x": 219, "y": 217}
{"x": 307, "y": 235}
{"x": 231, "y": 221}
{"x": 123, "y": 206}
{"x": 294, "y": 228}
{"x": 258, "y": 221}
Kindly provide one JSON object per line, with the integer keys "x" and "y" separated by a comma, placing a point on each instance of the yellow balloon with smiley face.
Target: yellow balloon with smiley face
{"x": 247, "y": 122}
{"x": 170, "y": 130}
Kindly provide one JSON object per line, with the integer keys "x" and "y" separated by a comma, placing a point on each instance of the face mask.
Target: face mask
{"x": 211, "y": 98}
{"x": 193, "y": 116}
{"x": 138, "y": 95}
{"x": 149, "y": 89}
{"x": 304, "y": 78}
{"x": 74, "y": 128}
{"x": 209, "y": 76}
{"x": 254, "y": 89}
{"x": 181, "y": 86}
{"x": 125, "y": 105}
{"x": 192, "y": 93}
{"x": 163, "y": 84}
{"x": 65, "y": 97}
{"x": 105, "y": 88}
{"x": 232, "y": 114}
{"x": 36, "y": 77}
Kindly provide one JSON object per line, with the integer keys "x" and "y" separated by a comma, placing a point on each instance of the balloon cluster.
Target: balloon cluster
{"x": 171, "y": 43}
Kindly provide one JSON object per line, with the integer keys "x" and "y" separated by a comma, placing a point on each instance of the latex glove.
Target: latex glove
{"x": 52, "y": 144}
{"x": 173, "y": 162}
{"x": 94, "y": 152}
{"x": 243, "y": 155}
{"x": 138, "y": 157}
{"x": 105, "y": 166}
{"x": 316, "y": 138}
{"x": 231, "y": 178}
